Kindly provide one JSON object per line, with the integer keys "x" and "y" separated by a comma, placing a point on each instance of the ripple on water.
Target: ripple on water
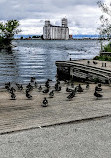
{"x": 37, "y": 58}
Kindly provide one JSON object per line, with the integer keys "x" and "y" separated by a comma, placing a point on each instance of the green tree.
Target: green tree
{"x": 105, "y": 28}
{"x": 7, "y": 31}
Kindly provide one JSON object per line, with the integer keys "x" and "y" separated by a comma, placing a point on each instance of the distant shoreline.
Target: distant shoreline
{"x": 63, "y": 40}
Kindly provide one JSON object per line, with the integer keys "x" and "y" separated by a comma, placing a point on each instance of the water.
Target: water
{"x": 37, "y": 58}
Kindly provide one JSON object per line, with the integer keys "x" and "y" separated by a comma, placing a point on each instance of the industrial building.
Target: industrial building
{"x": 51, "y": 32}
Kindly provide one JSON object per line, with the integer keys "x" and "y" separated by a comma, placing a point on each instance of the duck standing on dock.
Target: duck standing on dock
{"x": 27, "y": 94}
{"x": 72, "y": 84}
{"x": 71, "y": 95}
{"x": 87, "y": 86}
{"x": 12, "y": 90}
{"x": 40, "y": 88}
{"x": 98, "y": 88}
{"x": 45, "y": 102}
{"x": 47, "y": 83}
{"x": 7, "y": 86}
{"x": 29, "y": 87}
{"x": 35, "y": 84}
{"x": 51, "y": 94}
{"x": 46, "y": 90}
{"x": 58, "y": 82}
{"x": 19, "y": 86}
{"x": 69, "y": 90}
{"x": 97, "y": 95}
{"x": 13, "y": 96}
{"x": 79, "y": 88}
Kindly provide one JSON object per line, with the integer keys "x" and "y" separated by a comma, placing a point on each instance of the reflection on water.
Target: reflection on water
{"x": 37, "y": 58}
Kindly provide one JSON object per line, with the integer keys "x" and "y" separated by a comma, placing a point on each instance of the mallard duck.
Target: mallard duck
{"x": 51, "y": 94}
{"x": 69, "y": 90}
{"x": 12, "y": 90}
{"x": 98, "y": 88}
{"x": 45, "y": 102}
{"x": 99, "y": 84}
{"x": 40, "y": 88}
{"x": 79, "y": 88}
{"x": 87, "y": 86}
{"x": 72, "y": 85}
{"x": 97, "y": 95}
{"x": 59, "y": 89}
{"x": 70, "y": 96}
{"x": 29, "y": 86}
{"x": 35, "y": 84}
{"x": 28, "y": 95}
{"x": 32, "y": 79}
{"x": 13, "y": 96}
{"x": 46, "y": 90}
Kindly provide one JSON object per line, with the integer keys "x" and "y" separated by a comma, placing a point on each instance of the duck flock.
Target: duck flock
{"x": 47, "y": 90}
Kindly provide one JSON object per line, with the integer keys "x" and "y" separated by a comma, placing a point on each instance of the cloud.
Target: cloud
{"x": 83, "y": 15}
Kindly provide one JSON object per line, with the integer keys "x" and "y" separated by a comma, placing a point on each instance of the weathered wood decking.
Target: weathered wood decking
{"x": 83, "y": 69}
{"x": 106, "y": 53}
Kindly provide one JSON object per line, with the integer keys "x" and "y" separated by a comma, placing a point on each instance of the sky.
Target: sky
{"x": 83, "y": 15}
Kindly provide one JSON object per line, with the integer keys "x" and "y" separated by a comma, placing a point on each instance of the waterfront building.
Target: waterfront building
{"x": 51, "y": 32}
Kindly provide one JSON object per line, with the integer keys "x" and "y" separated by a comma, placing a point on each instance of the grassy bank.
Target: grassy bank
{"x": 107, "y": 48}
{"x": 103, "y": 58}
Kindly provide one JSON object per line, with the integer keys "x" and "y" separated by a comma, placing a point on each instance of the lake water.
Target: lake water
{"x": 37, "y": 58}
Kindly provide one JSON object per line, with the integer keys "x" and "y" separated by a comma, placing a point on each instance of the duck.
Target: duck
{"x": 79, "y": 88}
{"x": 35, "y": 84}
{"x": 69, "y": 90}
{"x": 88, "y": 62}
{"x": 7, "y": 86}
{"x": 29, "y": 86}
{"x": 45, "y": 102}
{"x": 40, "y": 88}
{"x": 13, "y": 96}
{"x": 46, "y": 90}
{"x": 59, "y": 89}
{"x": 12, "y": 90}
{"x": 99, "y": 84}
{"x": 32, "y": 79}
{"x": 27, "y": 94}
{"x": 19, "y": 86}
{"x": 97, "y": 95}
{"x": 56, "y": 86}
{"x": 58, "y": 82}
{"x": 47, "y": 84}
{"x": 87, "y": 86}
{"x": 94, "y": 62}
{"x": 51, "y": 94}
{"x": 72, "y": 85}
{"x": 98, "y": 88}
{"x": 71, "y": 95}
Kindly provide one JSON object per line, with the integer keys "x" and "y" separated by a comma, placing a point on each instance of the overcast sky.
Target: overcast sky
{"x": 83, "y": 15}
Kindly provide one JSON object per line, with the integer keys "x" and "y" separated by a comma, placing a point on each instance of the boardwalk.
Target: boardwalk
{"x": 85, "y": 69}
{"x": 24, "y": 114}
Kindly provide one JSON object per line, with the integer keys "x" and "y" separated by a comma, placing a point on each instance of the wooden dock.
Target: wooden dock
{"x": 91, "y": 70}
